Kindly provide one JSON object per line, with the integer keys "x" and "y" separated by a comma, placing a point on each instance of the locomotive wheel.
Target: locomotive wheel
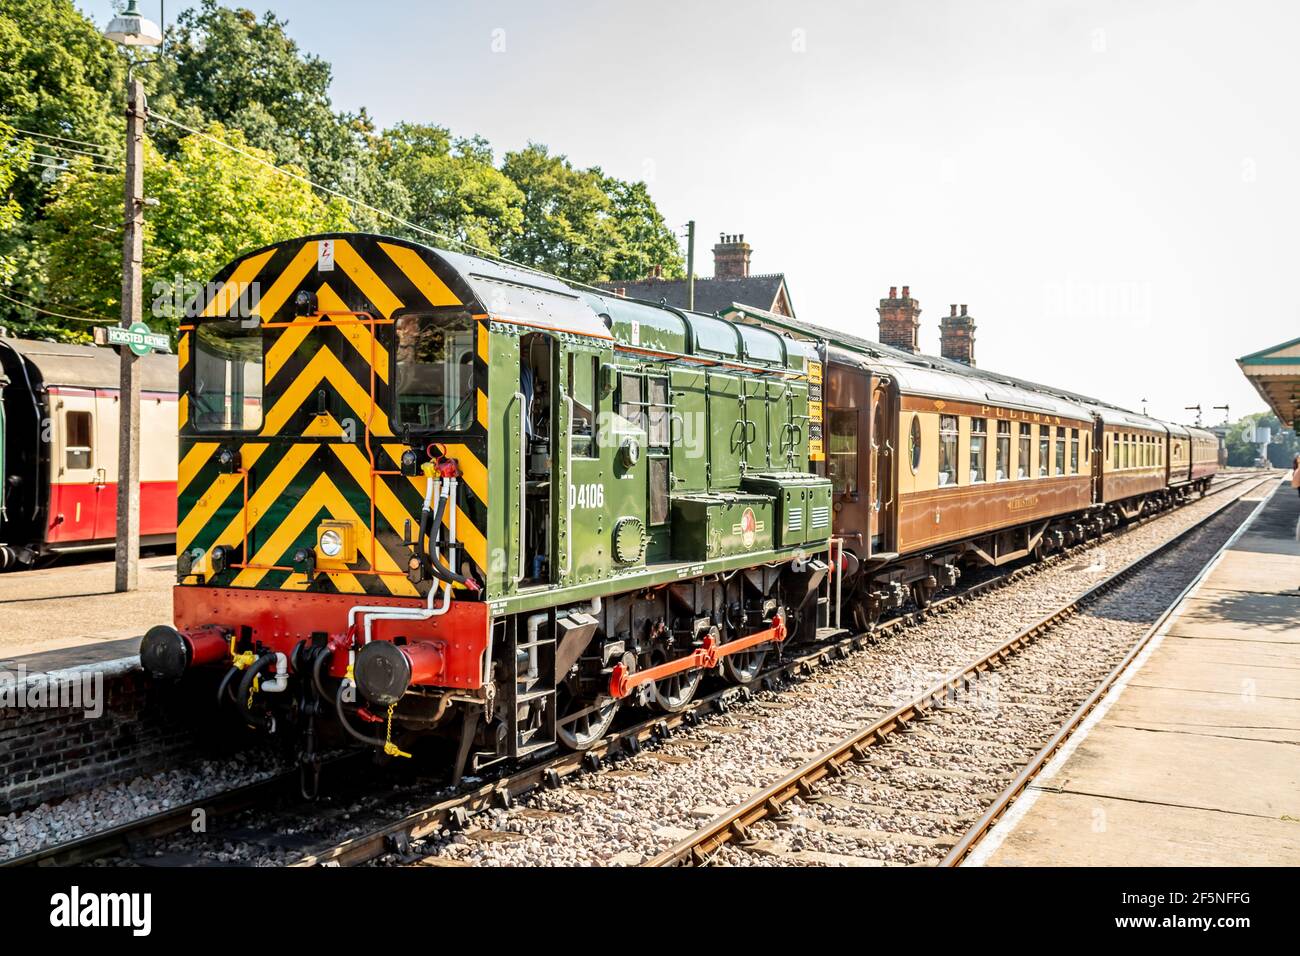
{"x": 673, "y": 693}
{"x": 865, "y": 617}
{"x": 581, "y": 724}
{"x": 744, "y": 667}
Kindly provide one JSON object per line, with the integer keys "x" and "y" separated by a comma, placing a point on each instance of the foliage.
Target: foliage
{"x": 226, "y": 67}
{"x": 1283, "y": 449}
{"x": 569, "y": 215}
{"x": 15, "y": 153}
{"x": 646, "y": 240}
{"x": 451, "y": 184}
{"x": 213, "y": 205}
{"x": 58, "y": 77}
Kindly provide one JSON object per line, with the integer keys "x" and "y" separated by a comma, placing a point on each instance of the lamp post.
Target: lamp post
{"x": 132, "y": 30}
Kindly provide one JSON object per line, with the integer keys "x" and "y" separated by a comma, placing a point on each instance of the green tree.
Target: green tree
{"x": 569, "y": 223}
{"x": 451, "y": 185}
{"x": 61, "y": 87}
{"x": 15, "y": 154}
{"x": 58, "y": 78}
{"x": 226, "y": 65}
{"x": 213, "y": 205}
{"x": 1242, "y": 454}
{"x": 646, "y": 240}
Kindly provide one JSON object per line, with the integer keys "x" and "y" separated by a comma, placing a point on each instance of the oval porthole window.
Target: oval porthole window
{"x": 914, "y": 443}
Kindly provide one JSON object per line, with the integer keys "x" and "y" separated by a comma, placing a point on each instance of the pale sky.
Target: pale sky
{"x": 1109, "y": 186}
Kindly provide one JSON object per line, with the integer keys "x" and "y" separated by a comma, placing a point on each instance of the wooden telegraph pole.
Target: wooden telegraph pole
{"x": 127, "y": 555}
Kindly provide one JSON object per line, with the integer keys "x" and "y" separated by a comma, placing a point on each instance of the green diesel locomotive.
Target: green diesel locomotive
{"x": 422, "y": 492}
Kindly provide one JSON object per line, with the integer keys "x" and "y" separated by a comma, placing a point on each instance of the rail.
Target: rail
{"x": 734, "y": 823}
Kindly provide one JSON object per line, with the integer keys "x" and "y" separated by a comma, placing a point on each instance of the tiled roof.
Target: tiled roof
{"x": 711, "y": 294}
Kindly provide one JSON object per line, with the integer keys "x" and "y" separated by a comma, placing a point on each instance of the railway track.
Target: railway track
{"x": 454, "y": 810}
{"x": 733, "y": 834}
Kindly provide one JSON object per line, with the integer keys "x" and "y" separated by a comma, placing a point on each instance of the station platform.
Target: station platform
{"x": 1193, "y": 758}
{"x": 68, "y": 615}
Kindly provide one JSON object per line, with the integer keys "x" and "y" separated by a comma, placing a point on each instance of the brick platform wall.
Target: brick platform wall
{"x": 49, "y": 752}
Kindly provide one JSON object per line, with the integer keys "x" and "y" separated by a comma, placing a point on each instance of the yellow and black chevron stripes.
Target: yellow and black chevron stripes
{"x": 322, "y": 368}
{"x": 328, "y": 379}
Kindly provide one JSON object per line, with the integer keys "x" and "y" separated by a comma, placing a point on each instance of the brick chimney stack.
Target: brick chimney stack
{"x": 957, "y": 337}
{"x": 731, "y": 257}
{"x": 900, "y": 317}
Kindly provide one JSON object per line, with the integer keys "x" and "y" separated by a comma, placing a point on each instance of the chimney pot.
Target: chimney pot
{"x": 954, "y": 310}
{"x": 957, "y": 339}
{"x": 899, "y": 320}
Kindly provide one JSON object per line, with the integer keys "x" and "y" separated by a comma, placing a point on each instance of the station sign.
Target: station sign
{"x": 138, "y": 338}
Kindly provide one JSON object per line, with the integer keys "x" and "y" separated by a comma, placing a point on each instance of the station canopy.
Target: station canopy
{"x": 1275, "y": 373}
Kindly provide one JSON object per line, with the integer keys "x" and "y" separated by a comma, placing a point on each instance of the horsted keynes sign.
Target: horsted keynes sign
{"x": 138, "y": 338}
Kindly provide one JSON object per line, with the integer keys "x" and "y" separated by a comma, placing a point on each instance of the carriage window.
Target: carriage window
{"x": 1004, "y": 451}
{"x": 979, "y": 437}
{"x": 914, "y": 443}
{"x": 1044, "y": 451}
{"x": 77, "y": 452}
{"x": 947, "y": 450}
{"x": 1060, "y": 451}
{"x": 1026, "y": 443}
{"x": 842, "y": 453}
{"x": 583, "y": 372}
{"x": 227, "y": 395}
{"x": 1074, "y": 450}
{"x": 435, "y": 370}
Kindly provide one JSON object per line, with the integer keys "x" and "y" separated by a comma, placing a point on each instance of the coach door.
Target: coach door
{"x": 107, "y": 427}
{"x": 884, "y": 465}
{"x": 75, "y": 475}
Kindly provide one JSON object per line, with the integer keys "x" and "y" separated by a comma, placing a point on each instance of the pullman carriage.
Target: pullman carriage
{"x": 933, "y": 469}
{"x": 1134, "y": 456}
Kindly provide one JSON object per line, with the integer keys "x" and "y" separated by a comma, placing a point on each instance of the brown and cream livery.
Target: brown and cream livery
{"x": 938, "y": 467}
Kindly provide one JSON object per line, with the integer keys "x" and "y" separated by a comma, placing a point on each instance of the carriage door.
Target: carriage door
{"x": 107, "y": 427}
{"x": 884, "y": 462}
{"x": 74, "y": 474}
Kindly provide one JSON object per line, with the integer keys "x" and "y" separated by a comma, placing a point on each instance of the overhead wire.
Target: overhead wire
{"x": 105, "y": 150}
{"x": 56, "y": 315}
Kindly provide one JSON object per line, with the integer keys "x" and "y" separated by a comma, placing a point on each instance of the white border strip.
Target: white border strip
{"x": 993, "y": 840}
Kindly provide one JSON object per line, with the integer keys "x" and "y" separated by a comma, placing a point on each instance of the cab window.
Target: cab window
{"x": 227, "y": 393}
{"x": 435, "y": 370}
{"x": 583, "y": 371}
